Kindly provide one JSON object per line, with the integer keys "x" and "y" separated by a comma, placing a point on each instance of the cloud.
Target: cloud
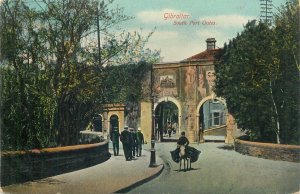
{"x": 228, "y": 21}
{"x": 157, "y": 16}
{"x": 174, "y": 45}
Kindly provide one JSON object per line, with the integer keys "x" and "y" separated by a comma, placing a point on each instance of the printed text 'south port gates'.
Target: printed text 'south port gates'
{"x": 181, "y": 19}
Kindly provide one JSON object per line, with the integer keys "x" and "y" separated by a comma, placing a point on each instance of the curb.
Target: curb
{"x": 134, "y": 185}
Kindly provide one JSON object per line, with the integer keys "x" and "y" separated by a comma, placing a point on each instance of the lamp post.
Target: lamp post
{"x": 152, "y": 150}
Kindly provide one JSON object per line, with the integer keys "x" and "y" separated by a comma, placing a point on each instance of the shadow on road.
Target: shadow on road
{"x": 50, "y": 181}
{"x": 192, "y": 169}
{"x": 226, "y": 147}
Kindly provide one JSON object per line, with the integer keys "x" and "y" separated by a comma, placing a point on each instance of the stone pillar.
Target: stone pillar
{"x": 146, "y": 120}
{"x": 191, "y": 125}
{"x": 231, "y": 127}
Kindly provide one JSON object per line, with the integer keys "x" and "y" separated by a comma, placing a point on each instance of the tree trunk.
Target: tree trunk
{"x": 277, "y": 130}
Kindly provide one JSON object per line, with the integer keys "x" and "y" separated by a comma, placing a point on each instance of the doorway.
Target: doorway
{"x": 166, "y": 121}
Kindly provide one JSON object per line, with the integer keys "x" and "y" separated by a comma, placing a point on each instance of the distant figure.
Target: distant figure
{"x": 200, "y": 134}
{"x": 140, "y": 141}
{"x": 115, "y": 140}
{"x": 157, "y": 133}
{"x": 125, "y": 139}
{"x": 169, "y": 129}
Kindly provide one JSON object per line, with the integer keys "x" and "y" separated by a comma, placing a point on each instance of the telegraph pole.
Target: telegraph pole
{"x": 266, "y": 11}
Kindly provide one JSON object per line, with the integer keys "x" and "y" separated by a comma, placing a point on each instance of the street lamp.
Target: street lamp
{"x": 152, "y": 150}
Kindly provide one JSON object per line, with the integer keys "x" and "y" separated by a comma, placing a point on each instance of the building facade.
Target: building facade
{"x": 189, "y": 85}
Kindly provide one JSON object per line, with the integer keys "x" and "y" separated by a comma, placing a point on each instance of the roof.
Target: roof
{"x": 210, "y": 55}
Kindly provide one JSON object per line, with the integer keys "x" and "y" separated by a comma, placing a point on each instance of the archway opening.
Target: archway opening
{"x": 114, "y": 122}
{"x": 166, "y": 121}
{"x": 212, "y": 121}
{"x": 97, "y": 123}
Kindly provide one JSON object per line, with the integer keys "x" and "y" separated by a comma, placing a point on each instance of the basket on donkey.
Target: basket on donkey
{"x": 193, "y": 153}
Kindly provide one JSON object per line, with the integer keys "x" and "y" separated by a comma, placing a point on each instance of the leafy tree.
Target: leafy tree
{"x": 286, "y": 88}
{"x": 52, "y": 81}
{"x": 258, "y": 77}
{"x": 124, "y": 85}
{"x": 27, "y": 104}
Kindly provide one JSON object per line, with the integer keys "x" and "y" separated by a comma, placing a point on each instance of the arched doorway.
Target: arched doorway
{"x": 166, "y": 121}
{"x": 114, "y": 122}
{"x": 97, "y": 123}
{"x": 212, "y": 114}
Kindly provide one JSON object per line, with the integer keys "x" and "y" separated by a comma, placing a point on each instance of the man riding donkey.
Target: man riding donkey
{"x": 182, "y": 141}
{"x": 182, "y": 151}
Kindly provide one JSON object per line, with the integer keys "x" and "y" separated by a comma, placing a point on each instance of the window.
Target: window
{"x": 216, "y": 118}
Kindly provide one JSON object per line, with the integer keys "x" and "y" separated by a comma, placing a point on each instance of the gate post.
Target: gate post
{"x": 146, "y": 120}
{"x": 230, "y": 126}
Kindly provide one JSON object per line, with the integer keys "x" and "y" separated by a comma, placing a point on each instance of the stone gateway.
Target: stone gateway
{"x": 188, "y": 85}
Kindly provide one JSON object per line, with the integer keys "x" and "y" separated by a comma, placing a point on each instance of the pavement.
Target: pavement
{"x": 221, "y": 170}
{"x": 115, "y": 175}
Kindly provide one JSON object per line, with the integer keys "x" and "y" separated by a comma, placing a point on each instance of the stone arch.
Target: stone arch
{"x": 109, "y": 120}
{"x": 176, "y": 102}
{"x": 201, "y": 103}
{"x": 210, "y": 97}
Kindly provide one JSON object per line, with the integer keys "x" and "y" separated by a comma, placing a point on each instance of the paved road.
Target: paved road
{"x": 223, "y": 171}
{"x": 110, "y": 176}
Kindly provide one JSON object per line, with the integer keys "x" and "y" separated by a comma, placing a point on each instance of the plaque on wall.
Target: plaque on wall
{"x": 167, "y": 81}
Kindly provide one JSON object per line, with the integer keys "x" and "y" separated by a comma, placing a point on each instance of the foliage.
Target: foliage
{"x": 258, "y": 77}
{"x": 52, "y": 80}
{"x": 124, "y": 84}
{"x": 287, "y": 89}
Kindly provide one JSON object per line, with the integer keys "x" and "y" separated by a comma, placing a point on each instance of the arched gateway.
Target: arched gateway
{"x": 188, "y": 84}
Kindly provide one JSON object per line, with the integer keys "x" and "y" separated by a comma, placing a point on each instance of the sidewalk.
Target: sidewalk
{"x": 111, "y": 176}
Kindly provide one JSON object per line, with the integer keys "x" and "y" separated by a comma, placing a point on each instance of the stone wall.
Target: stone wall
{"x": 289, "y": 153}
{"x": 22, "y": 166}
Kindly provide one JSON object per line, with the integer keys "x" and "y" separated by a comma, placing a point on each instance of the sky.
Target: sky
{"x": 182, "y": 26}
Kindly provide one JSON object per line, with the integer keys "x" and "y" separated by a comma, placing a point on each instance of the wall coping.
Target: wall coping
{"x": 53, "y": 150}
{"x": 267, "y": 145}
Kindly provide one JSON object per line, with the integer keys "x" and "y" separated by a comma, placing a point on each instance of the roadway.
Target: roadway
{"x": 222, "y": 170}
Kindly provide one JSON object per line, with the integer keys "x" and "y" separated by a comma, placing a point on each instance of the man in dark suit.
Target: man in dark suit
{"x": 140, "y": 141}
{"x": 125, "y": 139}
{"x": 115, "y": 141}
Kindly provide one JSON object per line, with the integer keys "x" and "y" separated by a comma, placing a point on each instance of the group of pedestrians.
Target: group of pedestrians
{"x": 132, "y": 141}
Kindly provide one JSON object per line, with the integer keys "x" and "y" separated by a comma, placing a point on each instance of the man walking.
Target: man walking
{"x": 133, "y": 142}
{"x": 140, "y": 141}
{"x": 115, "y": 141}
{"x": 125, "y": 139}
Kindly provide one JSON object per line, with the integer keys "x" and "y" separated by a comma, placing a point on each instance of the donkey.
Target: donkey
{"x": 186, "y": 159}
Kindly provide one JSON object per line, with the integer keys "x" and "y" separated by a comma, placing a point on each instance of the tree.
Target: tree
{"x": 52, "y": 81}
{"x": 125, "y": 86}
{"x": 27, "y": 104}
{"x": 257, "y": 77}
{"x": 286, "y": 88}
